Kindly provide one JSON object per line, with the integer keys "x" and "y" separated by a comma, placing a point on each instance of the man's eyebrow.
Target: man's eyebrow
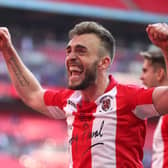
{"x": 78, "y": 46}
{"x": 67, "y": 47}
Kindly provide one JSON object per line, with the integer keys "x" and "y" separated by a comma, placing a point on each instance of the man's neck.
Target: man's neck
{"x": 164, "y": 83}
{"x": 96, "y": 89}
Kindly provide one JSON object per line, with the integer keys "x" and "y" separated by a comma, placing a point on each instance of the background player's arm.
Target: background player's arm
{"x": 24, "y": 81}
{"x": 160, "y": 99}
{"x": 158, "y": 34}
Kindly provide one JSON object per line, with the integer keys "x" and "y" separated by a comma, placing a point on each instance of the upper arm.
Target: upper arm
{"x": 141, "y": 103}
{"x": 160, "y": 99}
{"x": 36, "y": 101}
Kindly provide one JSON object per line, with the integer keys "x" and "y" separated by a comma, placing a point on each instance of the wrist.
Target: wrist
{"x": 8, "y": 51}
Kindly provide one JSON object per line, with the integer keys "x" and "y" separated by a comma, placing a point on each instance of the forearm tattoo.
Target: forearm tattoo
{"x": 18, "y": 72}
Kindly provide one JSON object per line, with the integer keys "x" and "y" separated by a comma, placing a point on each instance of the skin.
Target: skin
{"x": 86, "y": 69}
{"x": 81, "y": 55}
{"x": 158, "y": 34}
{"x": 151, "y": 75}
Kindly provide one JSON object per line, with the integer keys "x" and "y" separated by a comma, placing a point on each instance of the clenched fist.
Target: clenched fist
{"x": 158, "y": 34}
{"x": 5, "y": 39}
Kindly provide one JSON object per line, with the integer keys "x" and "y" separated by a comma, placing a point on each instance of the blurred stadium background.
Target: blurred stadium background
{"x": 39, "y": 31}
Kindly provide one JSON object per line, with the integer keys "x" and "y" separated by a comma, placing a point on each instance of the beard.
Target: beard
{"x": 90, "y": 77}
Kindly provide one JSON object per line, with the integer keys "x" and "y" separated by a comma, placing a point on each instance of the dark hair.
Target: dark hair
{"x": 154, "y": 55}
{"x": 90, "y": 27}
{"x": 157, "y": 61}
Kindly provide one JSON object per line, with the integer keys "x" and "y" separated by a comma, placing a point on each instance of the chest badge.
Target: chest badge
{"x": 106, "y": 103}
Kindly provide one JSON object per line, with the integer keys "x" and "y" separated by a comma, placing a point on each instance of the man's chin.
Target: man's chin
{"x": 73, "y": 86}
{"x": 77, "y": 87}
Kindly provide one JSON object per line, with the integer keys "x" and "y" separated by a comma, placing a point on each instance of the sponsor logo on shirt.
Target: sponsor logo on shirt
{"x": 71, "y": 103}
{"x": 86, "y": 134}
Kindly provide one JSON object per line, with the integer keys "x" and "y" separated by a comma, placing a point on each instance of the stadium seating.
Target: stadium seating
{"x": 144, "y": 6}
{"x": 103, "y": 3}
{"x": 153, "y": 6}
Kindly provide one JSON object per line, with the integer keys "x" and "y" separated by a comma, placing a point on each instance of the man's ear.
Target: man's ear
{"x": 160, "y": 74}
{"x": 104, "y": 62}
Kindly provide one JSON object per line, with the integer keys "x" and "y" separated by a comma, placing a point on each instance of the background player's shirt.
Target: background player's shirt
{"x": 106, "y": 133}
{"x": 160, "y": 144}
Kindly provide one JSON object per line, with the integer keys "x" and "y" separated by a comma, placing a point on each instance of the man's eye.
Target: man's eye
{"x": 81, "y": 51}
{"x": 68, "y": 52}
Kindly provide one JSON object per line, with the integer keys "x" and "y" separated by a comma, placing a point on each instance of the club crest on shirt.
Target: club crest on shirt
{"x": 106, "y": 103}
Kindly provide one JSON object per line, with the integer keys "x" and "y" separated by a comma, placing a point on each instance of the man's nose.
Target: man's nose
{"x": 141, "y": 77}
{"x": 72, "y": 56}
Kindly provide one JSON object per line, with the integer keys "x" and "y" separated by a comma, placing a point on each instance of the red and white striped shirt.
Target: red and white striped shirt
{"x": 106, "y": 133}
{"x": 160, "y": 144}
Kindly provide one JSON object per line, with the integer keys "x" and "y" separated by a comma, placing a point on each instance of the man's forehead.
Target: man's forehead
{"x": 147, "y": 63}
{"x": 84, "y": 37}
{"x": 83, "y": 40}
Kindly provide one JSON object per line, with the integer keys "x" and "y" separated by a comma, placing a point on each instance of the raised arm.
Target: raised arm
{"x": 28, "y": 88}
{"x": 158, "y": 34}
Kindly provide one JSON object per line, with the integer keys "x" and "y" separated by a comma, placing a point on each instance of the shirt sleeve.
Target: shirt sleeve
{"x": 142, "y": 104}
{"x": 54, "y": 103}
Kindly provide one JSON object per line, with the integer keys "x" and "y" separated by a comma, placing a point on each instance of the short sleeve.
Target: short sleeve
{"x": 143, "y": 104}
{"x": 140, "y": 101}
{"x": 54, "y": 103}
